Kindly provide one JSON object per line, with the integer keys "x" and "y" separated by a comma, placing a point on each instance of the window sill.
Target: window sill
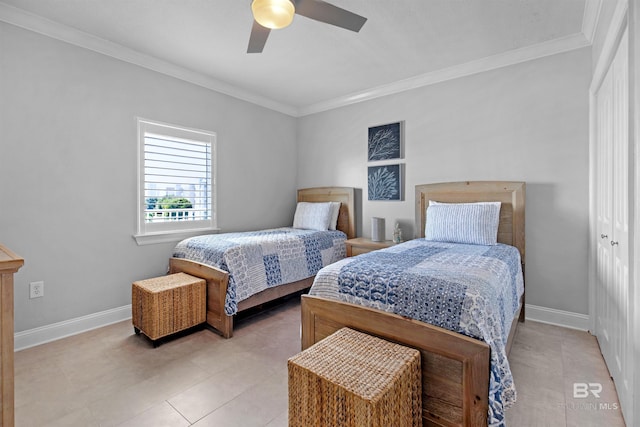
{"x": 170, "y": 236}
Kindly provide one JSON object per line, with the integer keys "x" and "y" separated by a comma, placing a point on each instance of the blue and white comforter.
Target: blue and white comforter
{"x": 257, "y": 260}
{"x": 470, "y": 289}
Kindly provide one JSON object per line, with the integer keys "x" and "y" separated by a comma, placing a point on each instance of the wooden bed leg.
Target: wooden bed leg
{"x": 521, "y": 318}
{"x": 227, "y": 326}
{"x": 220, "y": 323}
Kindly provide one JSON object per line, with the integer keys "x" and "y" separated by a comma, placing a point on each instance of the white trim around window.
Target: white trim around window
{"x": 176, "y": 182}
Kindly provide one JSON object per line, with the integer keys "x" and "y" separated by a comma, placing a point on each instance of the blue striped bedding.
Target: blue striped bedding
{"x": 257, "y": 260}
{"x": 470, "y": 289}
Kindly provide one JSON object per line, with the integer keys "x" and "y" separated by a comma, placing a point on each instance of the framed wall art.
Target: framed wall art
{"x": 385, "y": 142}
{"x": 385, "y": 182}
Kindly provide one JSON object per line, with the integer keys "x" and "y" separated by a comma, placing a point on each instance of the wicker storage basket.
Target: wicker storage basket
{"x": 354, "y": 379}
{"x": 165, "y": 305}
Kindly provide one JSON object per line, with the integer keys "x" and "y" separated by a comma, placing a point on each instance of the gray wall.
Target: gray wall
{"x": 68, "y": 170}
{"x": 526, "y": 122}
{"x": 68, "y": 164}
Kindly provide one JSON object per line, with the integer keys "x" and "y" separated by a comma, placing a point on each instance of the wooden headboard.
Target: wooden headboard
{"x": 510, "y": 193}
{"x": 344, "y": 195}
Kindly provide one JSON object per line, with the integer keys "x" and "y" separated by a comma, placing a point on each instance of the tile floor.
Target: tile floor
{"x": 111, "y": 377}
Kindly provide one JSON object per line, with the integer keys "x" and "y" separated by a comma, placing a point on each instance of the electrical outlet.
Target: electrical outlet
{"x": 36, "y": 289}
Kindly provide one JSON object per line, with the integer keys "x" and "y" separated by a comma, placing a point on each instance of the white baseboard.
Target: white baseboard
{"x": 56, "y": 331}
{"x": 552, "y": 316}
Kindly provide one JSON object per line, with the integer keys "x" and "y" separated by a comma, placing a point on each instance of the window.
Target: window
{"x": 176, "y": 190}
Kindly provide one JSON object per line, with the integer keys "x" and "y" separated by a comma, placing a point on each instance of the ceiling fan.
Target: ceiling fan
{"x": 276, "y": 14}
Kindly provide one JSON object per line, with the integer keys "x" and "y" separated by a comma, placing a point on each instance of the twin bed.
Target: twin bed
{"x": 466, "y": 381}
{"x": 226, "y": 296}
{"x": 458, "y": 372}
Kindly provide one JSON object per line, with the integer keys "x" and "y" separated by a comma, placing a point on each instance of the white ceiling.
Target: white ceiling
{"x": 310, "y": 66}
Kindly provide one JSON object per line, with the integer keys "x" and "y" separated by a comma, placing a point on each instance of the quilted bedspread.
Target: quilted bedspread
{"x": 257, "y": 260}
{"x": 470, "y": 289}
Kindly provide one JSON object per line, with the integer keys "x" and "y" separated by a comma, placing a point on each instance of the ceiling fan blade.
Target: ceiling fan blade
{"x": 330, "y": 14}
{"x": 258, "y": 38}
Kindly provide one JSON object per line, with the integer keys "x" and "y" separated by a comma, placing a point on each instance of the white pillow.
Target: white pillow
{"x": 472, "y": 223}
{"x": 312, "y": 216}
{"x": 335, "y": 211}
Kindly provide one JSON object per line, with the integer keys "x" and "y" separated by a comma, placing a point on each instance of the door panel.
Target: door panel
{"x": 612, "y": 212}
{"x": 620, "y": 240}
{"x": 604, "y": 103}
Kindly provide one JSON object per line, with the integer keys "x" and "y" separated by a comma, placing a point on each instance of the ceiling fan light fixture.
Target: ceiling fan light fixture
{"x": 274, "y": 14}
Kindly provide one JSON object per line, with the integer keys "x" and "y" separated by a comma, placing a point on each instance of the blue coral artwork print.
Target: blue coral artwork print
{"x": 385, "y": 142}
{"x": 385, "y": 182}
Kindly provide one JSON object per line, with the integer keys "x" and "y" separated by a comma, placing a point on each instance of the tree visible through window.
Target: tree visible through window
{"x": 176, "y": 190}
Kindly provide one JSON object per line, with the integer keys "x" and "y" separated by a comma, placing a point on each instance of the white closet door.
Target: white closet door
{"x": 604, "y": 105}
{"x": 612, "y": 253}
{"x": 620, "y": 239}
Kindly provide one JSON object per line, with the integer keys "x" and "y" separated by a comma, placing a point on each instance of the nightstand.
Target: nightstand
{"x": 362, "y": 245}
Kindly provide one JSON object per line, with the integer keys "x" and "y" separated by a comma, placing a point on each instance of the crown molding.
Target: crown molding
{"x": 616, "y": 27}
{"x": 512, "y": 57}
{"x": 590, "y": 18}
{"x": 21, "y": 18}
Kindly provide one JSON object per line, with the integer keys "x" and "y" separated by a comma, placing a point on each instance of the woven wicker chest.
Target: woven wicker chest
{"x": 165, "y": 305}
{"x": 354, "y": 379}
